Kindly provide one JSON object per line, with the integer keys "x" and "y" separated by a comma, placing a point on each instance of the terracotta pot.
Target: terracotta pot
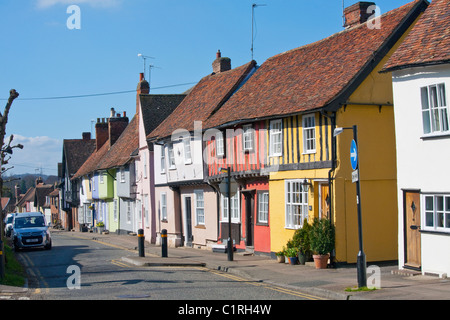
{"x": 321, "y": 261}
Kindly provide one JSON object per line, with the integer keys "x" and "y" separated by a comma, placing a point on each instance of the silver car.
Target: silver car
{"x": 8, "y": 223}
{"x": 30, "y": 230}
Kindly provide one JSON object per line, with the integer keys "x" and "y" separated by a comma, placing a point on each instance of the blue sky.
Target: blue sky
{"x": 41, "y": 57}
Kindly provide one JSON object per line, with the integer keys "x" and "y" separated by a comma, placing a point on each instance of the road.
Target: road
{"x": 78, "y": 269}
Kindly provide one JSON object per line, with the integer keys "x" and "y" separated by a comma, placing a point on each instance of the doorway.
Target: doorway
{"x": 249, "y": 217}
{"x": 411, "y": 209}
{"x": 324, "y": 201}
{"x": 188, "y": 219}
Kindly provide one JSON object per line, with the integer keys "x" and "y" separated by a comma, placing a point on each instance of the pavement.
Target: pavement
{"x": 331, "y": 283}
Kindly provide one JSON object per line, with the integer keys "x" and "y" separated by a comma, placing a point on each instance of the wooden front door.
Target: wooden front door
{"x": 324, "y": 201}
{"x": 412, "y": 229}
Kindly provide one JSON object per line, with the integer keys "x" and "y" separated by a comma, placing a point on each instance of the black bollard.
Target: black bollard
{"x": 164, "y": 243}
{"x": 141, "y": 243}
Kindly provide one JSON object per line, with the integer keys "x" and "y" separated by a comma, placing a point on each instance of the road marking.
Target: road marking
{"x": 265, "y": 285}
{"x": 120, "y": 264}
{"x": 35, "y": 273}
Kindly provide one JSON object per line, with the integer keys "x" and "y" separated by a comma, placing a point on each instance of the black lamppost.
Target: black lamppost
{"x": 361, "y": 259}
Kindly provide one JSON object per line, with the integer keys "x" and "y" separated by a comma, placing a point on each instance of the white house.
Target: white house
{"x": 186, "y": 205}
{"x": 151, "y": 110}
{"x": 421, "y": 84}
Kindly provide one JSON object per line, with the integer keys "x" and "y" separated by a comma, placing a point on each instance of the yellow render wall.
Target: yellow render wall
{"x": 279, "y": 235}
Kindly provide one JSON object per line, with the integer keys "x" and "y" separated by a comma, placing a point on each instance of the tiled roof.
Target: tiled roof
{"x": 317, "y": 75}
{"x": 204, "y": 99}
{"x": 429, "y": 40}
{"x": 90, "y": 165}
{"x": 76, "y": 151}
{"x": 157, "y": 107}
{"x": 120, "y": 152}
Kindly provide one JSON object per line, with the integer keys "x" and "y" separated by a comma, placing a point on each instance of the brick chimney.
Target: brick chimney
{"x": 143, "y": 87}
{"x": 116, "y": 125}
{"x": 86, "y": 136}
{"x": 357, "y": 14}
{"x": 221, "y": 64}
{"x": 101, "y": 133}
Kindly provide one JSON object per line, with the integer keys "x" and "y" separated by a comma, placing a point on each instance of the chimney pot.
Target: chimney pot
{"x": 141, "y": 76}
{"x": 221, "y": 64}
{"x": 113, "y": 113}
{"x": 357, "y": 13}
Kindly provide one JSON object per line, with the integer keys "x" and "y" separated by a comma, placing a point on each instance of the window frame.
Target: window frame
{"x": 220, "y": 144}
{"x": 171, "y": 154}
{"x": 433, "y": 106}
{"x": 435, "y": 211}
{"x": 235, "y": 208}
{"x": 248, "y": 137}
{"x": 163, "y": 205}
{"x": 186, "y": 147}
{"x": 262, "y": 217}
{"x": 163, "y": 160}
{"x": 272, "y": 135}
{"x": 290, "y": 204}
{"x": 199, "y": 218}
{"x": 309, "y": 133}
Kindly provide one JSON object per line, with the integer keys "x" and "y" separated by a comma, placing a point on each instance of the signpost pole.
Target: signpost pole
{"x": 361, "y": 259}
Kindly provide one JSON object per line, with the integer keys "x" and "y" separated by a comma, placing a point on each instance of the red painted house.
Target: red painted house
{"x": 242, "y": 149}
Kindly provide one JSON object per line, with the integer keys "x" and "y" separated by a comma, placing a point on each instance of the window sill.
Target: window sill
{"x": 436, "y": 232}
{"x": 200, "y": 226}
{"x": 432, "y": 136}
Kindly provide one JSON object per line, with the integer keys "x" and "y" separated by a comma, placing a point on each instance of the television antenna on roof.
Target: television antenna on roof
{"x": 254, "y": 5}
{"x": 144, "y": 58}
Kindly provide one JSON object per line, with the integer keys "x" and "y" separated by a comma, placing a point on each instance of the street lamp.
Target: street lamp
{"x": 361, "y": 259}
{"x": 230, "y": 240}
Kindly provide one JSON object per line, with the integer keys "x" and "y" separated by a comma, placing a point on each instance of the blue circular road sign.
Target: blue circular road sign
{"x": 354, "y": 155}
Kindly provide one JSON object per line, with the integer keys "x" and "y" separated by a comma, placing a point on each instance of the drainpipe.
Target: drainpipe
{"x": 330, "y": 172}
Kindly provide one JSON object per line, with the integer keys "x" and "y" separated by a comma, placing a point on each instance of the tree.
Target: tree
{"x": 8, "y": 149}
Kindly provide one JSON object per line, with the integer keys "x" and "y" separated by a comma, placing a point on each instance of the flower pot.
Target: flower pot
{"x": 293, "y": 260}
{"x": 100, "y": 229}
{"x": 301, "y": 258}
{"x": 280, "y": 259}
{"x": 321, "y": 260}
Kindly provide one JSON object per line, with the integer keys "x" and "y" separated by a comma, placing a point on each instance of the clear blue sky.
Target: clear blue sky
{"x": 41, "y": 57}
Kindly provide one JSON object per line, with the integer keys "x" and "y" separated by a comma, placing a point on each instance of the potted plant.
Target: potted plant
{"x": 100, "y": 226}
{"x": 291, "y": 253}
{"x": 322, "y": 241}
{"x": 302, "y": 242}
{"x": 280, "y": 256}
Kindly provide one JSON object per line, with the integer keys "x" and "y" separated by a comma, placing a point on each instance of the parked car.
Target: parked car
{"x": 30, "y": 230}
{"x": 9, "y": 223}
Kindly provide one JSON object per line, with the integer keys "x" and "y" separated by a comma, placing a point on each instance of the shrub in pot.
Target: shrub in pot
{"x": 322, "y": 237}
{"x": 291, "y": 253}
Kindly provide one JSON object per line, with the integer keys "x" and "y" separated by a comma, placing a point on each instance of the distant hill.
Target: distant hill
{"x": 24, "y": 181}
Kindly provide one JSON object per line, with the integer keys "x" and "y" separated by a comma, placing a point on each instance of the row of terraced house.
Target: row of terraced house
{"x": 272, "y": 125}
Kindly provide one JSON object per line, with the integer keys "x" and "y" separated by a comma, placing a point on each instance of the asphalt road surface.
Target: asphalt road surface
{"x": 80, "y": 269}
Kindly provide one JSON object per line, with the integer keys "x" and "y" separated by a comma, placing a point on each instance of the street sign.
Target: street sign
{"x": 354, "y": 155}
{"x": 355, "y": 176}
{"x": 224, "y": 185}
